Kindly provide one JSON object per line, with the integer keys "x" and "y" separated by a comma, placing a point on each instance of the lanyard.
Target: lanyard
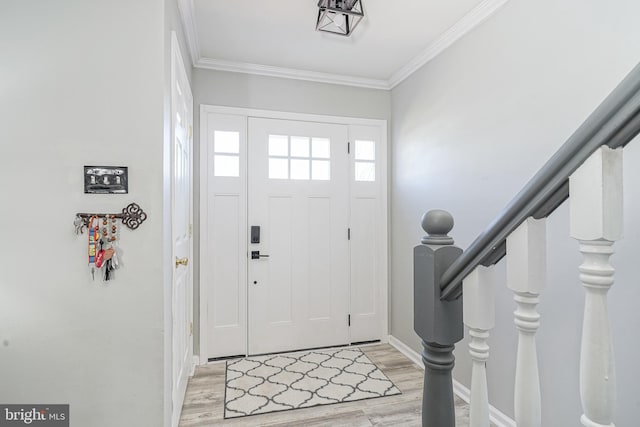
{"x": 93, "y": 237}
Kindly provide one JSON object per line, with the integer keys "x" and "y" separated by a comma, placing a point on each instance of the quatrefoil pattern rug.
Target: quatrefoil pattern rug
{"x": 262, "y": 384}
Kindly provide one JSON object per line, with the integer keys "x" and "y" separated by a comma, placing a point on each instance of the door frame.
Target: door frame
{"x": 203, "y": 184}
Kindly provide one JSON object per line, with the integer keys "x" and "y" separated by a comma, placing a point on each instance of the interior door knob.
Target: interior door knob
{"x": 182, "y": 261}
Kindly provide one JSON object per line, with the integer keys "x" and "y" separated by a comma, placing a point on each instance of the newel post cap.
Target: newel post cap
{"x": 437, "y": 223}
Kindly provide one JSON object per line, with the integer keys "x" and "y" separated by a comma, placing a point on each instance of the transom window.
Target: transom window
{"x": 365, "y": 165}
{"x": 299, "y": 158}
{"x": 226, "y": 149}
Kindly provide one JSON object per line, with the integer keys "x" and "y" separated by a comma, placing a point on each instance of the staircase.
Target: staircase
{"x": 586, "y": 170}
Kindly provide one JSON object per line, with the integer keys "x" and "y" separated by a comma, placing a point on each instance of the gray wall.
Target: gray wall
{"x": 470, "y": 128}
{"x": 81, "y": 83}
{"x": 269, "y": 93}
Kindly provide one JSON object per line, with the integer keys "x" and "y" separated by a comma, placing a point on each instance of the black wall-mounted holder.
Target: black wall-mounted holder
{"x": 132, "y": 216}
{"x": 106, "y": 179}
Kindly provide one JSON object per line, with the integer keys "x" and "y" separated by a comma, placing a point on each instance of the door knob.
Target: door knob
{"x": 181, "y": 261}
{"x": 256, "y": 255}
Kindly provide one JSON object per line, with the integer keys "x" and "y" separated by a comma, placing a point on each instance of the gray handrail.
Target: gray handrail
{"x": 615, "y": 123}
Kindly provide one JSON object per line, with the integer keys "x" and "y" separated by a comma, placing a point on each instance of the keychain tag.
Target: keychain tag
{"x": 100, "y": 258}
{"x": 108, "y": 254}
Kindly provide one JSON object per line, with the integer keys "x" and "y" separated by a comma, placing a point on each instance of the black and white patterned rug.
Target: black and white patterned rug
{"x": 262, "y": 384}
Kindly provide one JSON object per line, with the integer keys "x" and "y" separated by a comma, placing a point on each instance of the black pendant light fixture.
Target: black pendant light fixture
{"x": 339, "y": 16}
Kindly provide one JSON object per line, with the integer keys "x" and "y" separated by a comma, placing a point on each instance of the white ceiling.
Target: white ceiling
{"x": 278, "y": 37}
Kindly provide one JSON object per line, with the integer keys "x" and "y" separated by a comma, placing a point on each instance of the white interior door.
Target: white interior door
{"x": 182, "y": 289}
{"x": 299, "y": 197}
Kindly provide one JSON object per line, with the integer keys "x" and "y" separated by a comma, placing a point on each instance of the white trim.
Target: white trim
{"x": 468, "y": 22}
{"x": 384, "y": 194}
{"x": 410, "y": 353}
{"x": 288, "y": 115}
{"x": 203, "y": 230}
{"x": 496, "y": 416}
{"x": 188, "y": 15}
{"x": 167, "y": 252}
{"x": 195, "y": 361}
{"x": 290, "y": 73}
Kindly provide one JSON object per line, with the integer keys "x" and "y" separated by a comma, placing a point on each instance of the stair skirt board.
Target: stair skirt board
{"x": 496, "y": 416}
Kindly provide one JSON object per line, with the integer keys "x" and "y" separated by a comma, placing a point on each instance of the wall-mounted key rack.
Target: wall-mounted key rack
{"x": 132, "y": 216}
{"x": 103, "y": 252}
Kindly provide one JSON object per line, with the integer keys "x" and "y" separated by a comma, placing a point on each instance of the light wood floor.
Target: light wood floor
{"x": 204, "y": 402}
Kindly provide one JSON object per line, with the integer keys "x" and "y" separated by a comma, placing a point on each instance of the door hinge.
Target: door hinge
{"x": 190, "y": 131}
{"x": 190, "y": 328}
{"x": 348, "y": 148}
{"x": 348, "y": 234}
{"x": 349, "y": 320}
{"x": 190, "y": 230}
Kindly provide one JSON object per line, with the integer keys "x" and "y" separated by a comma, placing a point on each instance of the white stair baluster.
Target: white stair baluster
{"x": 526, "y": 277}
{"x": 596, "y": 222}
{"x": 479, "y": 316}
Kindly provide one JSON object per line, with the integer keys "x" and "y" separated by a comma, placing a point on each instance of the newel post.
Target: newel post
{"x": 437, "y": 322}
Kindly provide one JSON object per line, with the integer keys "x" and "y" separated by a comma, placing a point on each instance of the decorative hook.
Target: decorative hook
{"x": 132, "y": 216}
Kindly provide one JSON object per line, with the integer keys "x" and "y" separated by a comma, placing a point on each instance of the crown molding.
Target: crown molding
{"x": 290, "y": 73}
{"x": 467, "y": 23}
{"x": 188, "y": 15}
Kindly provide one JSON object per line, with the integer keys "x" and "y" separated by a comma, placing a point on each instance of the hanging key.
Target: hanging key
{"x": 107, "y": 271}
{"x": 79, "y": 225}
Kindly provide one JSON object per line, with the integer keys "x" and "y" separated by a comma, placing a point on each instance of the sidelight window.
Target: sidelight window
{"x": 226, "y": 157}
{"x": 365, "y": 166}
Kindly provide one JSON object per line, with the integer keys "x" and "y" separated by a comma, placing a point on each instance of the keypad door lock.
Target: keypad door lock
{"x": 256, "y": 255}
{"x": 255, "y": 234}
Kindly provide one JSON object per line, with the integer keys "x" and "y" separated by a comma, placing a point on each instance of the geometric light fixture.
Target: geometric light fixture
{"x": 339, "y": 16}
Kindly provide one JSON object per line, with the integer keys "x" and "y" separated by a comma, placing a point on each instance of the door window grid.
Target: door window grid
{"x": 299, "y": 158}
{"x": 365, "y": 160}
{"x": 226, "y": 158}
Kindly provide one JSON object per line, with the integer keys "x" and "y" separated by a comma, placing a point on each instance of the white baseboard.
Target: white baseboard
{"x": 496, "y": 416}
{"x": 195, "y": 361}
{"x": 411, "y": 354}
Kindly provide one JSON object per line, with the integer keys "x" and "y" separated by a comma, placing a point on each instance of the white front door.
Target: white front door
{"x": 182, "y": 300}
{"x": 299, "y": 271}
